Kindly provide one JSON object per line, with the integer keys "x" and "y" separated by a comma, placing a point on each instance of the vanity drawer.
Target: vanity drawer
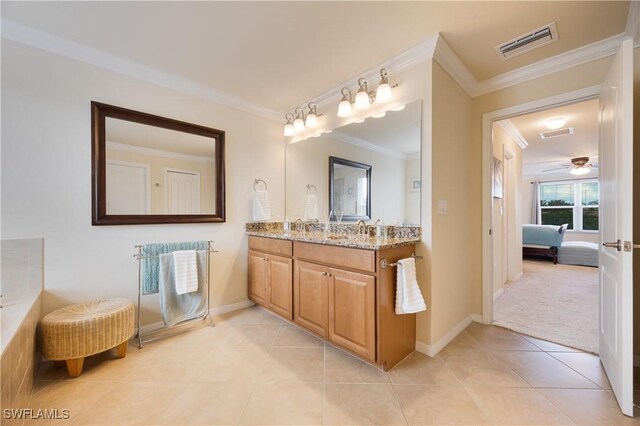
{"x": 364, "y": 260}
{"x": 271, "y": 245}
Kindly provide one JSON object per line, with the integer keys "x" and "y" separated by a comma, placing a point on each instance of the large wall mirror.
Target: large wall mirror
{"x": 376, "y": 171}
{"x": 149, "y": 169}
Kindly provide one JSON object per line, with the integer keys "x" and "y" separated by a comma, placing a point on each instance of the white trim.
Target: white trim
{"x": 512, "y": 131}
{"x": 448, "y": 60}
{"x": 633, "y": 22}
{"x": 518, "y": 276}
{"x": 405, "y": 60}
{"x": 220, "y": 310}
{"x": 368, "y": 145}
{"x": 147, "y": 171}
{"x": 432, "y": 350}
{"x": 498, "y": 294}
{"x": 20, "y": 33}
{"x": 159, "y": 152}
{"x": 487, "y": 169}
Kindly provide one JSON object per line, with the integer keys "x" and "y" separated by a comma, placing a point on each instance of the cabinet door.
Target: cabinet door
{"x": 310, "y": 289}
{"x": 280, "y": 288}
{"x": 258, "y": 277}
{"x": 352, "y": 312}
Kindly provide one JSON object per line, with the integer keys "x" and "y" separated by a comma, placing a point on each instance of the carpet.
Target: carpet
{"x": 558, "y": 303}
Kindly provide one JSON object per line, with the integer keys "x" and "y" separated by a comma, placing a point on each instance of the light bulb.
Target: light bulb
{"x": 383, "y": 93}
{"x": 579, "y": 171}
{"x": 556, "y": 123}
{"x": 344, "y": 109}
{"x": 288, "y": 129}
{"x": 382, "y": 114}
{"x": 312, "y": 121}
{"x": 398, "y": 108}
{"x": 362, "y": 100}
{"x": 298, "y": 124}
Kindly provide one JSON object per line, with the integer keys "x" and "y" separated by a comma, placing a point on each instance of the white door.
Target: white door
{"x": 616, "y": 274}
{"x": 127, "y": 188}
{"x": 182, "y": 192}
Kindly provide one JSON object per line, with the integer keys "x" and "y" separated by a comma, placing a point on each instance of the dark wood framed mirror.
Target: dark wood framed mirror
{"x": 349, "y": 189}
{"x": 148, "y": 169}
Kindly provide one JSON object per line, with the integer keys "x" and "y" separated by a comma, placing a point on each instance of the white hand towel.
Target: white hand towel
{"x": 409, "y": 299}
{"x": 311, "y": 207}
{"x": 261, "y": 206}
{"x": 186, "y": 271}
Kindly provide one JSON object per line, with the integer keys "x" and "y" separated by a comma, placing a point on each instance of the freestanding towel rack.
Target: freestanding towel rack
{"x": 139, "y": 256}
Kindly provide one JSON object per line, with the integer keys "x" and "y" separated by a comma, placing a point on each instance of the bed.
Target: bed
{"x": 542, "y": 240}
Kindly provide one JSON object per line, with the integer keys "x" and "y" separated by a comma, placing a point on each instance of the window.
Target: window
{"x": 573, "y": 202}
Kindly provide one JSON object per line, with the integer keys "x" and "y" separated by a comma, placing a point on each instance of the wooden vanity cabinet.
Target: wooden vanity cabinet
{"x": 270, "y": 275}
{"x": 341, "y": 294}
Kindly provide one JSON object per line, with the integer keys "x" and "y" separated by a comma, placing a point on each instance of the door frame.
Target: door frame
{"x": 147, "y": 171}
{"x": 488, "y": 119}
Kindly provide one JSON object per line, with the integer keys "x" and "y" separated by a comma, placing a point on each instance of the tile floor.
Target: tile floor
{"x": 254, "y": 368}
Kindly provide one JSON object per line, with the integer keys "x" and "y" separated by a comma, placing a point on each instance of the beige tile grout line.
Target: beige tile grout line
{"x": 564, "y": 363}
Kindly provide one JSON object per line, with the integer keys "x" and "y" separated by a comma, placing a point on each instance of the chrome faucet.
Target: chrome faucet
{"x": 362, "y": 227}
{"x": 298, "y": 225}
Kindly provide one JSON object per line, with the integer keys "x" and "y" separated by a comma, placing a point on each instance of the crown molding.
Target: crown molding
{"x": 159, "y": 152}
{"x": 633, "y": 22}
{"x": 41, "y": 40}
{"x": 448, "y": 60}
{"x": 512, "y": 131}
{"x": 403, "y": 61}
{"x": 367, "y": 145}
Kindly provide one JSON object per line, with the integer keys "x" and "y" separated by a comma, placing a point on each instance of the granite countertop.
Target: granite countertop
{"x": 341, "y": 240}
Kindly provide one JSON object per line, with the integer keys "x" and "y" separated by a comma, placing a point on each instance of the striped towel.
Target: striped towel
{"x": 151, "y": 261}
{"x": 261, "y": 206}
{"x": 185, "y": 271}
{"x": 409, "y": 299}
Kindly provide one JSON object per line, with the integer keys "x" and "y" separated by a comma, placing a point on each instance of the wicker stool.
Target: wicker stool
{"x": 76, "y": 331}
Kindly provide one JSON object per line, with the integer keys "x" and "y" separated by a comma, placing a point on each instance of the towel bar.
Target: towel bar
{"x": 384, "y": 263}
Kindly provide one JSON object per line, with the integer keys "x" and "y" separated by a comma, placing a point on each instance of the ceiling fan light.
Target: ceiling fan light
{"x": 556, "y": 123}
{"x": 579, "y": 171}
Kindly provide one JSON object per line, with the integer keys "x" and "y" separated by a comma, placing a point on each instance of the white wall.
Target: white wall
{"x": 412, "y": 198}
{"x": 46, "y": 177}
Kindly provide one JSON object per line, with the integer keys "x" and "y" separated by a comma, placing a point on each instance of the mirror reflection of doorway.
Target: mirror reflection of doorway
{"x": 182, "y": 192}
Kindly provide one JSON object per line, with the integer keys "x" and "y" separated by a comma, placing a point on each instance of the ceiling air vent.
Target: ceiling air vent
{"x": 526, "y": 42}
{"x": 557, "y": 133}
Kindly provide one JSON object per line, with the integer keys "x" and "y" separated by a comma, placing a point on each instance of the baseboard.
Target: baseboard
{"x": 432, "y": 350}
{"x": 498, "y": 294}
{"x": 518, "y": 276}
{"x": 218, "y": 310}
{"x": 476, "y": 318}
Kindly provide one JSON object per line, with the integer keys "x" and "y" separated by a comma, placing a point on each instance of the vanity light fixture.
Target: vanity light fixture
{"x": 344, "y": 108}
{"x": 382, "y": 114}
{"x": 359, "y": 121}
{"x": 288, "y": 128}
{"x": 363, "y": 99}
{"x": 383, "y": 92}
{"x": 398, "y": 108}
{"x": 329, "y": 131}
{"x": 312, "y": 116}
{"x": 298, "y": 123}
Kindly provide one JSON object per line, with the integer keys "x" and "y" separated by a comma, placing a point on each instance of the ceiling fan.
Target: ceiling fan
{"x": 579, "y": 166}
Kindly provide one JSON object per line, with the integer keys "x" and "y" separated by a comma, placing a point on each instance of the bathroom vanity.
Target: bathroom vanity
{"x": 336, "y": 288}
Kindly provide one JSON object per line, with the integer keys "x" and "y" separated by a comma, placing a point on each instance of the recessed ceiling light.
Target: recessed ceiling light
{"x": 556, "y": 123}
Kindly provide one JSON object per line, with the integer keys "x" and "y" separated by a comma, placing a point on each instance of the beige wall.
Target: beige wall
{"x": 46, "y": 177}
{"x": 308, "y": 163}
{"x": 575, "y": 78}
{"x": 157, "y": 166}
{"x": 454, "y": 258}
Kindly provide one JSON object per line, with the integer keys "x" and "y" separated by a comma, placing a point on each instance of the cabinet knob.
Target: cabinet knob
{"x": 325, "y": 273}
